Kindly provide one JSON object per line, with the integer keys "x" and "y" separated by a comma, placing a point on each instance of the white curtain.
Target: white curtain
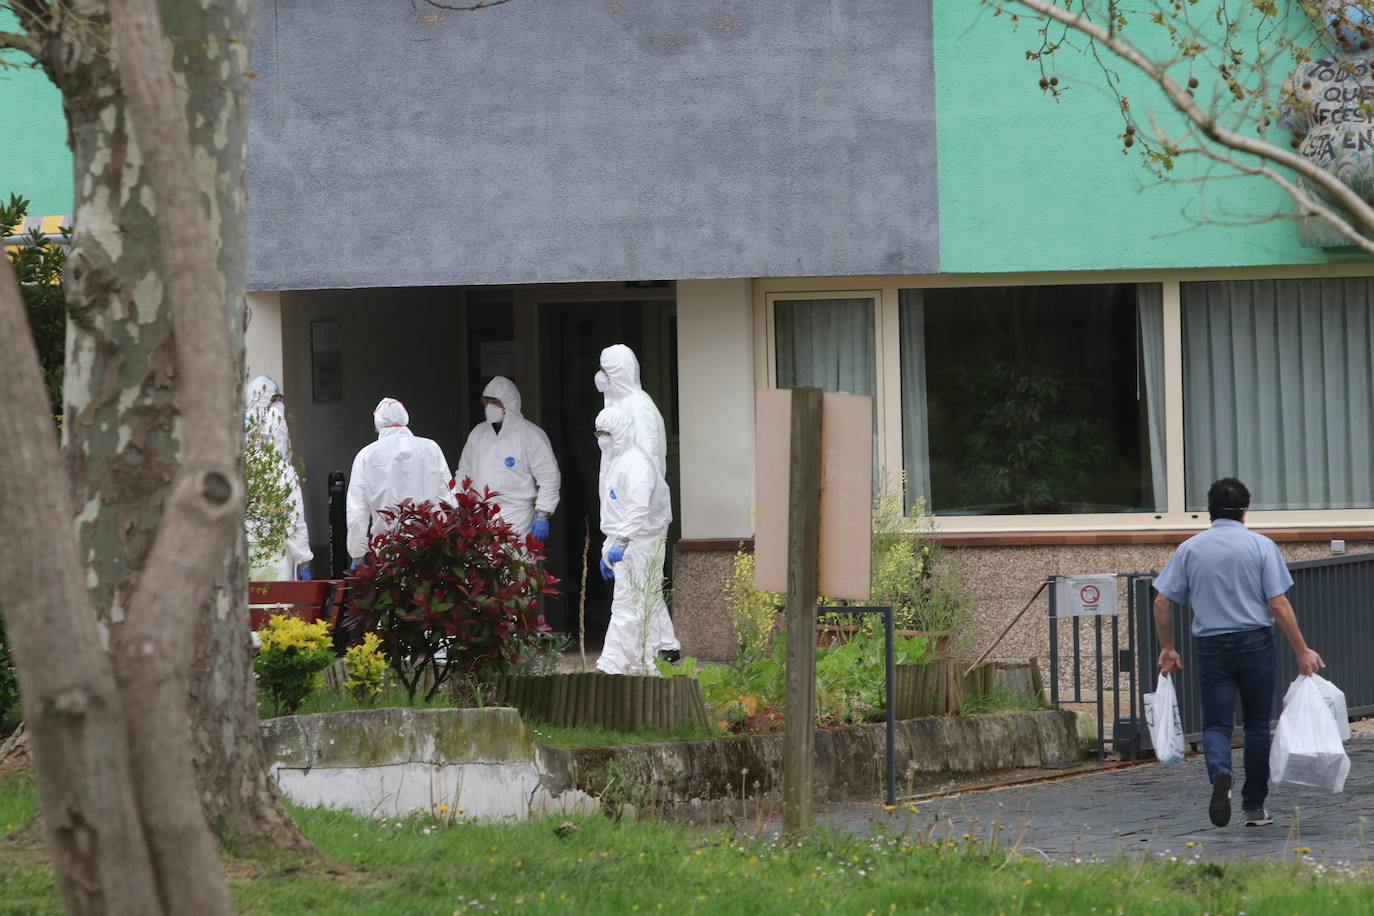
{"x": 827, "y": 343}
{"x": 1277, "y": 391}
{"x": 915, "y": 433}
{"x": 1149, "y": 298}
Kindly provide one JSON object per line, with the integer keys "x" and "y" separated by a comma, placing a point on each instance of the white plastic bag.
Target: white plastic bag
{"x": 1335, "y": 701}
{"x": 1166, "y": 726}
{"x": 1307, "y": 752}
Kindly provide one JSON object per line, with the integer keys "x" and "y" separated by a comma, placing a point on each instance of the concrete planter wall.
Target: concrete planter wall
{"x": 849, "y": 761}
{"x": 387, "y": 762}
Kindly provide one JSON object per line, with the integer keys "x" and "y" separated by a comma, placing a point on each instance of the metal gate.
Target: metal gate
{"x": 1334, "y": 602}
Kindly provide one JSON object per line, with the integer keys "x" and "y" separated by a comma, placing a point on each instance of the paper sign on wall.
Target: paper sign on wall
{"x": 1086, "y": 596}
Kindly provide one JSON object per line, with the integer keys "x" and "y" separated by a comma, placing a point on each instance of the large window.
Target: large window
{"x": 1278, "y": 377}
{"x": 1030, "y": 400}
{"x": 1088, "y": 406}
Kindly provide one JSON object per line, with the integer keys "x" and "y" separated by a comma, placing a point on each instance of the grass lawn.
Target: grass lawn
{"x": 441, "y": 864}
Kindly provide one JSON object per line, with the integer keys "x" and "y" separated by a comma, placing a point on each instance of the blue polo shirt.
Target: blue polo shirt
{"x": 1228, "y": 573}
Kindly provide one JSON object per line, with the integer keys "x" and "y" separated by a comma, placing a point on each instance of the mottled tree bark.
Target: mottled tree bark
{"x": 124, "y": 432}
{"x": 73, "y": 709}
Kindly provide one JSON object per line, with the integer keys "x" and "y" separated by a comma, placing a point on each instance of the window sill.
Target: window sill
{"x": 1072, "y": 538}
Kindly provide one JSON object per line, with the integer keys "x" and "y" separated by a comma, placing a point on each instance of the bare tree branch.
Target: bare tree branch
{"x": 1182, "y": 100}
{"x": 21, "y": 43}
{"x": 476, "y": 5}
{"x": 205, "y": 504}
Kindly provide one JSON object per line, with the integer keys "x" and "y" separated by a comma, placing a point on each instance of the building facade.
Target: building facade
{"x": 1063, "y": 350}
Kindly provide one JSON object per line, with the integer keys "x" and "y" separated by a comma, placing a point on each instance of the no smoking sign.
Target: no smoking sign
{"x": 1086, "y": 596}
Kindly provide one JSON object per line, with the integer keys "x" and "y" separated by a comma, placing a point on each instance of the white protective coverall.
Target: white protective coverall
{"x": 516, "y": 462}
{"x": 269, "y": 418}
{"x": 624, "y": 390}
{"x": 399, "y": 465}
{"x": 635, "y": 513}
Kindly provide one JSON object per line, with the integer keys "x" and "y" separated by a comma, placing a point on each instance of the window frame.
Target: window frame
{"x": 884, "y": 291}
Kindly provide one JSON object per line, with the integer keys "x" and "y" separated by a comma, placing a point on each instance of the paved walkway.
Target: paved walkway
{"x": 1150, "y": 808}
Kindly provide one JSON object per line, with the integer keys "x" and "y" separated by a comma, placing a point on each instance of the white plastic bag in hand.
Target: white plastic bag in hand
{"x": 1166, "y": 726}
{"x": 1335, "y": 701}
{"x": 1307, "y": 752}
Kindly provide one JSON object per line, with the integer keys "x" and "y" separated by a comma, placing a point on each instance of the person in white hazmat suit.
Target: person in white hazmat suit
{"x": 618, "y": 380}
{"x": 399, "y": 465}
{"x": 635, "y": 513}
{"x": 511, "y": 456}
{"x": 265, "y": 415}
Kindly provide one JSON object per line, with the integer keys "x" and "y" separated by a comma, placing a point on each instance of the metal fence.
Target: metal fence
{"x": 1334, "y": 601}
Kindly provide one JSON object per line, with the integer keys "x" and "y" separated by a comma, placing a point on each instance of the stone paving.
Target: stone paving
{"x": 1144, "y": 809}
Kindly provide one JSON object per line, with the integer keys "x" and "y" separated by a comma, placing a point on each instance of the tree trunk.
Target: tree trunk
{"x": 122, "y": 429}
{"x": 72, "y": 707}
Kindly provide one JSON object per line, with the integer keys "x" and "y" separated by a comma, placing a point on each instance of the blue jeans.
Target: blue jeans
{"x": 1230, "y": 664}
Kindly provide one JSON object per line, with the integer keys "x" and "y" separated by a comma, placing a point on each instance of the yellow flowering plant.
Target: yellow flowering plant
{"x": 292, "y": 660}
{"x": 366, "y": 666}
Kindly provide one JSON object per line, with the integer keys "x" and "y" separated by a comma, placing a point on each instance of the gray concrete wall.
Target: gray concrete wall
{"x": 580, "y": 140}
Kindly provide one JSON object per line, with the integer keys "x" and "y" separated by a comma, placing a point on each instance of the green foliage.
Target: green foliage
{"x": 448, "y": 589}
{"x": 366, "y": 667}
{"x": 1031, "y": 437}
{"x": 753, "y": 613}
{"x": 291, "y": 660}
{"x": 538, "y": 653}
{"x": 268, "y": 487}
{"x": 851, "y": 675}
{"x": 37, "y": 265}
{"x": 10, "y": 713}
{"x": 910, "y": 571}
{"x": 999, "y": 699}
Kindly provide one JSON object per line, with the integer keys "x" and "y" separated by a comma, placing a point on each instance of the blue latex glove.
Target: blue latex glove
{"x": 354, "y": 565}
{"x": 615, "y": 555}
{"x": 540, "y": 530}
{"x": 303, "y": 573}
{"x": 606, "y": 571}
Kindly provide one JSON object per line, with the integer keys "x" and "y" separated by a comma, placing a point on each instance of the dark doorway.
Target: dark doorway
{"x": 572, "y": 336}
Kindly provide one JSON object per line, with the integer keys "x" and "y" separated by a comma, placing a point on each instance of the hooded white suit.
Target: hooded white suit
{"x": 635, "y": 512}
{"x": 399, "y": 465}
{"x": 269, "y": 420}
{"x": 623, "y": 390}
{"x": 516, "y": 462}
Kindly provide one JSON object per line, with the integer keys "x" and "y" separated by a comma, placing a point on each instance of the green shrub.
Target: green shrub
{"x": 10, "y": 713}
{"x": 449, "y": 589}
{"x": 292, "y": 659}
{"x": 267, "y": 486}
{"x": 366, "y": 667}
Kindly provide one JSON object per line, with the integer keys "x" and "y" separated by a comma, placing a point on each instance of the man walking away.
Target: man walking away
{"x": 1236, "y": 580}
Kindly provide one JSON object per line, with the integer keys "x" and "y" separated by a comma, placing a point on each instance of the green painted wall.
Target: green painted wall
{"x": 34, "y": 159}
{"x": 1031, "y": 184}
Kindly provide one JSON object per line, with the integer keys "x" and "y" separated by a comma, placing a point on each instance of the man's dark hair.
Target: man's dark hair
{"x": 1228, "y": 498}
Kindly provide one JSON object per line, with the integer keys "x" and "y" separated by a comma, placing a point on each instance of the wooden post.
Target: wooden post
{"x": 803, "y": 575}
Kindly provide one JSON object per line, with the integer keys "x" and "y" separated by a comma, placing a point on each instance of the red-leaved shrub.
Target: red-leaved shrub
{"x": 447, "y": 588}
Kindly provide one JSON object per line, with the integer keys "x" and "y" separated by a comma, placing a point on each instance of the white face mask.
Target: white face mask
{"x": 603, "y": 441}
{"x": 279, "y": 407}
{"x": 601, "y": 381}
{"x": 495, "y": 414}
